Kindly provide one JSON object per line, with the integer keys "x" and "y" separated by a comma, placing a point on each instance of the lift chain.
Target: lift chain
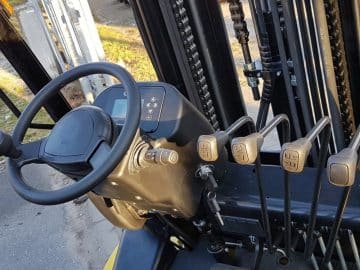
{"x": 238, "y": 17}
{"x": 340, "y": 67}
{"x": 242, "y": 35}
{"x": 193, "y": 58}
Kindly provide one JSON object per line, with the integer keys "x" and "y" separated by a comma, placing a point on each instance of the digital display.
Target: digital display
{"x": 119, "y": 108}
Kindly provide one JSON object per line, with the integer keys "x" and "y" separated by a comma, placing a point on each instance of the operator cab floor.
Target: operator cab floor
{"x": 201, "y": 259}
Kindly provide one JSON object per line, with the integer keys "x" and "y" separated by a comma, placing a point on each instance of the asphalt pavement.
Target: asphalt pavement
{"x": 68, "y": 236}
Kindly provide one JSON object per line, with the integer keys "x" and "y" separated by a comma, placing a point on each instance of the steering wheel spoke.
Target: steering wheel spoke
{"x": 101, "y": 154}
{"x": 30, "y": 153}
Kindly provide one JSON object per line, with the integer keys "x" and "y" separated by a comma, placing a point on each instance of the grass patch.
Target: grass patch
{"x": 14, "y": 3}
{"x": 15, "y": 89}
{"x": 125, "y": 45}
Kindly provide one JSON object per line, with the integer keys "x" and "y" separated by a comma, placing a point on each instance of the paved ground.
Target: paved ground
{"x": 67, "y": 236}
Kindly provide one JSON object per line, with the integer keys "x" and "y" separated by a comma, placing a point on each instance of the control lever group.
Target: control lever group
{"x": 210, "y": 146}
{"x": 341, "y": 169}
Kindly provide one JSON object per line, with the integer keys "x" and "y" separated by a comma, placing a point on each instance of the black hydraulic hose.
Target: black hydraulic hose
{"x": 271, "y": 64}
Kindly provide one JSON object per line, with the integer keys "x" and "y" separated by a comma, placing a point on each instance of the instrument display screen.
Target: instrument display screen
{"x": 119, "y": 108}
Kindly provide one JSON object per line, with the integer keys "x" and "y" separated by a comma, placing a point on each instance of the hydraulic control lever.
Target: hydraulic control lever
{"x": 293, "y": 158}
{"x": 210, "y": 146}
{"x": 341, "y": 169}
{"x": 246, "y": 150}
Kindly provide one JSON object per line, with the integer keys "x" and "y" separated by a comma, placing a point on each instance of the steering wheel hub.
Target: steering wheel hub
{"x": 75, "y": 138}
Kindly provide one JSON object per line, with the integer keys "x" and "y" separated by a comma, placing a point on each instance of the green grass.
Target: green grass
{"x": 125, "y": 45}
{"x": 14, "y": 3}
{"x": 15, "y": 89}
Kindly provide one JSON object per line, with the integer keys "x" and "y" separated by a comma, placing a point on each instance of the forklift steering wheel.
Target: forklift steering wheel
{"x": 102, "y": 157}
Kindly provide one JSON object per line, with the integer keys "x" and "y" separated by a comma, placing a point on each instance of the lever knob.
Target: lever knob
{"x": 210, "y": 146}
{"x": 161, "y": 156}
{"x": 293, "y": 155}
{"x": 342, "y": 167}
{"x": 7, "y": 147}
{"x": 245, "y": 150}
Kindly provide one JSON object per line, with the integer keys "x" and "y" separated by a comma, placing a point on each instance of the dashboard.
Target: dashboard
{"x": 165, "y": 112}
{"x": 114, "y": 101}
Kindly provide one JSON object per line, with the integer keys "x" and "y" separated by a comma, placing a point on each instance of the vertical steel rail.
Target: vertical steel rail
{"x": 340, "y": 255}
{"x": 285, "y": 68}
{"x": 324, "y": 251}
{"x": 291, "y": 31}
{"x": 312, "y": 258}
{"x": 354, "y": 249}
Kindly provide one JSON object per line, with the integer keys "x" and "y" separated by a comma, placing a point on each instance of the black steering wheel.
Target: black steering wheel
{"x": 101, "y": 155}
